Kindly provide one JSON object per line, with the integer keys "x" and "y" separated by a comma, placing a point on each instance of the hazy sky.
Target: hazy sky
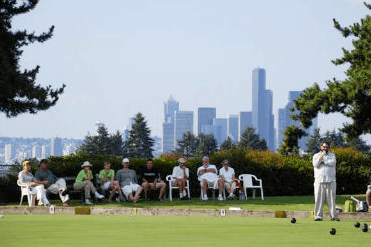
{"x": 121, "y": 57}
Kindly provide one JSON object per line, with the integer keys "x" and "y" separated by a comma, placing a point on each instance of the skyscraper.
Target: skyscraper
{"x": 284, "y": 119}
{"x": 170, "y": 107}
{"x": 232, "y": 127}
{"x": 56, "y": 148}
{"x": 206, "y": 116}
{"x": 9, "y": 153}
{"x": 262, "y": 116}
{"x": 245, "y": 120}
{"x": 183, "y": 123}
{"x": 220, "y": 129}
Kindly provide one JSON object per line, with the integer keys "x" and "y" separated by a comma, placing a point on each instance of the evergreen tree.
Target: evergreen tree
{"x": 139, "y": 143}
{"x": 227, "y": 144}
{"x": 350, "y": 97}
{"x": 207, "y": 145}
{"x": 116, "y": 143}
{"x": 188, "y": 144}
{"x": 250, "y": 140}
{"x": 19, "y": 92}
{"x": 314, "y": 142}
{"x": 290, "y": 142}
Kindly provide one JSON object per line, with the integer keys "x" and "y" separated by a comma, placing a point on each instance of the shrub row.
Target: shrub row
{"x": 281, "y": 175}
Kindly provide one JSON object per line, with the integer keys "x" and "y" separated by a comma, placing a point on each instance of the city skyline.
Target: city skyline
{"x": 202, "y": 52}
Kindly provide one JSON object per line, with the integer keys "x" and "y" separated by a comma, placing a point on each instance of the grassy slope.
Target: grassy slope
{"x": 57, "y": 230}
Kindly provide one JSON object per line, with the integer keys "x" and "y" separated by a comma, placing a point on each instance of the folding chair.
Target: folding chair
{"x": 172, "y": 186}
{"x": 247, "y": 180}
{"x": 25, "y": 191}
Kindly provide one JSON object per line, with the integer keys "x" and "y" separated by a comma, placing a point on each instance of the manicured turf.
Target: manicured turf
{"x": 97, "y": 230}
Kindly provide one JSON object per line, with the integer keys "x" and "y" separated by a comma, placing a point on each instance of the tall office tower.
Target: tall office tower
{"x": 245, "y": 120}
{"x": 183, "y": 122}
{"x": 56, "y": 148}
{"x": 262, "y": 116}
{"x": 36, "y": 151}
{"x": 9, "y": 153}
{"x": 170, "y": 107}
{"x": 205, "y": 117}
{"x": 43, "y": 152}
{"x": 284, "y": 119}
{"x": 220, "y": 129}
{"x": 232, "y": 127}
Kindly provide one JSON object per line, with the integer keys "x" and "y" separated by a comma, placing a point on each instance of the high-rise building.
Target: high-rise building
{"x": 170, "y": 107}
{"x": 284, "y": 119}
{"x": 245, "y": 121}
{"x": 36, "y": 151}
{"x": 206, "y": 116}
{"x": 232, "y": 127}
{"x": 183, "y": 122}
{"x": 56, "y": 148}
{"x": 9, "y": 153}
{"x": 220, "y": 129}
{"x": 262, "y": 116}
{"x": 43, "y": 152}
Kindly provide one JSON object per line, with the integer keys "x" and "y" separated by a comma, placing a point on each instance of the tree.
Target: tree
{"x": 290, "y": 142}
{"x": 139, "y": 143}
{"x": 103, "y": 143}
{"x": 207, "y": 145}
{"x": 314, "y": 142}
{"x": 250, "y": 140}
{"x": 19, "y": 92}
{"x": 227, "y": 144}
{"x": 188, "y": 144}
{"x": 350, "y": 97}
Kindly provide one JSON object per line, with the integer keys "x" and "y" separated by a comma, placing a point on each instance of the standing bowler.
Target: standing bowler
{"x": 324, "y": 164}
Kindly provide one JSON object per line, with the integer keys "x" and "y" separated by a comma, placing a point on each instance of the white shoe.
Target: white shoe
{"x": 87, "y": 202}
{"x": 220, "y": 198}
{"x": 99, "y": 196}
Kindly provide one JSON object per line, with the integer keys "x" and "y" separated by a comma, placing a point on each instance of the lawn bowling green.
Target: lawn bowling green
{"x": 112, "y": 230}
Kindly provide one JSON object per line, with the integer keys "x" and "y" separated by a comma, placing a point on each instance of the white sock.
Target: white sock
{"x": 181, "y": 195}
{"x": 220, "y": 195}
{"x": 184, "y": 192}
{"x": 230, "y": 194}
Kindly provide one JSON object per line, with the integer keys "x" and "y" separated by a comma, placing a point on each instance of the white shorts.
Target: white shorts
{"x": 105, "y": 186}
{"x": 127, "y": 189}
{"x": 213, "y": 184}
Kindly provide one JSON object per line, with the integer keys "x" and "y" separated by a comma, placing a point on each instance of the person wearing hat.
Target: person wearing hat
{"x": 208, "y": 177}
{"x": 181, "y": 174}
{"x": 129, "y": 181}
{"x": 83, "y": 182}
{"x": 36, "y": 187}
{"x": 107, "y": 177}
{"x": 228, "y": 179}
{"x": 51, "y": 182}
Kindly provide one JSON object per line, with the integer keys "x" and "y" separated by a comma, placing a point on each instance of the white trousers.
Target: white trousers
{"x": 58, "y": 187}
{"x": 324, "y": 192}
{"x": 39, "y": 190}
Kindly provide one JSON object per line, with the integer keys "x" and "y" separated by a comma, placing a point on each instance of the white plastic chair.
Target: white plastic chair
{"x": 25, "y": 191}
{"x": 172, "y": 186}
{"x": 247, "y": 180}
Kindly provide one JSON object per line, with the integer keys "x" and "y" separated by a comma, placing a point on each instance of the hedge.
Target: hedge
{"x": 281, "y": 175}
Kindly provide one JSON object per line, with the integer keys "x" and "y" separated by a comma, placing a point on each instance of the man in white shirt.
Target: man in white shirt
{"x": 181, "y": 174}
{"x": 207, "y": 175}
{"x": 324, "y": 163}
{"x": 228, "y": 178}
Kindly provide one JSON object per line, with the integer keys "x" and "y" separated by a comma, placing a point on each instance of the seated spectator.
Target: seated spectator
{"x": 150, "y": 180}
{"x": 83, "y": 182}
{"x": 207, "y": 175}
{"x": 107, "y": 177}
{"x": 53, "y": 184}
{"x": 228, "y": 179}
{"x": 36, "y": 187}
{"x": 181, "y": 174}
{"x": 368, "y": 195}
{"x": 129, "y": 182}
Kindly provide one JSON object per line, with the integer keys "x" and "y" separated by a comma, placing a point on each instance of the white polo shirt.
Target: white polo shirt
{"x": 227, "y": 174}
{"x": 179, "y": 173}
{"x": 209, "y": 176}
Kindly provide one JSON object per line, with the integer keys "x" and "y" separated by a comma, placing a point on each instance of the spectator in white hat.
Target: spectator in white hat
{"x": 181, "y": 174}
{"x": 129, "y": 182}
{"x": 83, "y": 182}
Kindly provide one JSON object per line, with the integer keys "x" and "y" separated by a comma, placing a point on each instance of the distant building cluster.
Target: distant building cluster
{"x": 261, "y": 118}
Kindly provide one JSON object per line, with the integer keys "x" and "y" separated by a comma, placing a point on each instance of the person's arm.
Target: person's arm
{"x": 317, "y": 159}
{"x": 112, "y": 175}
{"x": 186, "y": 173}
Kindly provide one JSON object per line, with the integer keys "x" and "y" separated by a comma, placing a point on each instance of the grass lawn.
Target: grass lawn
{"x": 288, "y": 203}
{"x": 98, "y": 230}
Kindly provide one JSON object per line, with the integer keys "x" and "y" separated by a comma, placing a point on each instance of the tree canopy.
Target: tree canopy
{"x": 19, "y": 92}
{"x": 251, "y": 140}
{"x": 351, "y": 97}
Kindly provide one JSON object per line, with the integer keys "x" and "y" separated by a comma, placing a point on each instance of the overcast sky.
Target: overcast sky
{"x": 121, "y": 57}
